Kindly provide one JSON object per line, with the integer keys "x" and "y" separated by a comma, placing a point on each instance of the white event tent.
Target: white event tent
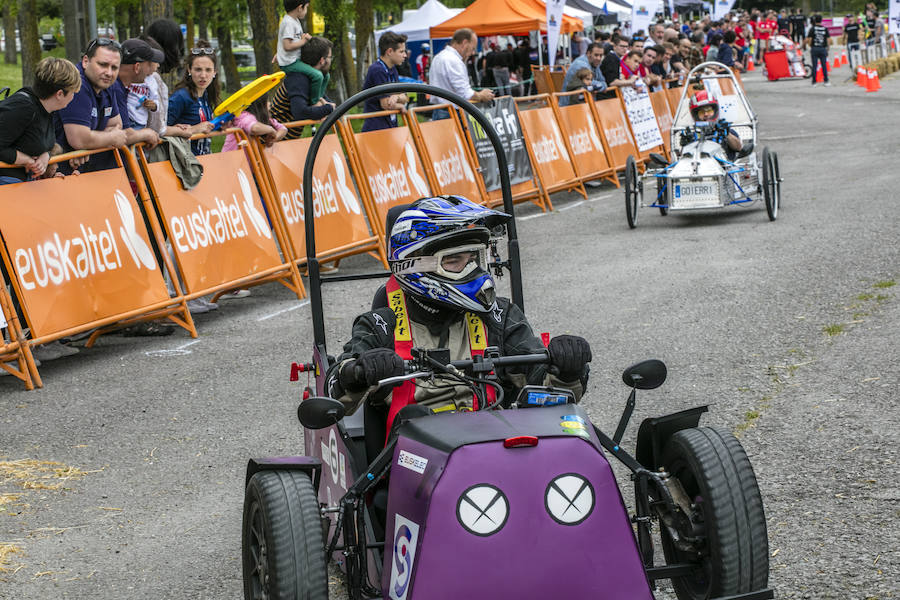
{"x": 416, "y": 26}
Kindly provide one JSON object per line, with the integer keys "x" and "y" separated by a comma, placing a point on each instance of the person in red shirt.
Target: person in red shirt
{"x": 767, "y": 29}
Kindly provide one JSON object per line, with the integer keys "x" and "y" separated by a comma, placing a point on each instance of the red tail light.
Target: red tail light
{"x": 520, "y": 441}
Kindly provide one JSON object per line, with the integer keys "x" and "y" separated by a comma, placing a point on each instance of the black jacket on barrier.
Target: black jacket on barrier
{"x": 24, "y": 126}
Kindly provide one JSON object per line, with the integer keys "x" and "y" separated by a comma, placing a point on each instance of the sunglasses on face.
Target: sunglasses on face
{"x": 198, "y": 51}
{"x": 102, "y": 43}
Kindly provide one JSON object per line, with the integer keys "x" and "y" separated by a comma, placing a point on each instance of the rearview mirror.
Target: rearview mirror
{"x": 645, "y": 375}
{"x": 319, "y": 412}
{"x": 659, "y": 159}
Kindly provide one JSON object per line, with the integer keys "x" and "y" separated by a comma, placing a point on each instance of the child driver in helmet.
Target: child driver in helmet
{"x": 441, "y": 295}
{"x": 705, "y": 109}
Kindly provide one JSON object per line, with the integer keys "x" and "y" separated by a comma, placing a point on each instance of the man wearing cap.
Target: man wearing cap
{"x": 92, "y": 119}
{"x": 139, "y": 60}
{"x": 423, "y": 62}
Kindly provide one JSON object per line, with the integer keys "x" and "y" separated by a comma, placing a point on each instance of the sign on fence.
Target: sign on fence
{"x": 502, "y": 114}
{"x": 643, "y": 120}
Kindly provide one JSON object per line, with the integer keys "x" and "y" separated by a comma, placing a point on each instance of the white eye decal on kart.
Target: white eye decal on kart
{"x": 569, "y": 499}
{"x": 482, "y": 509}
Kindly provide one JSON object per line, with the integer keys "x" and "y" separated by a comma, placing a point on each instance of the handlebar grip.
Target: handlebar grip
{"x": 221, "y": 120}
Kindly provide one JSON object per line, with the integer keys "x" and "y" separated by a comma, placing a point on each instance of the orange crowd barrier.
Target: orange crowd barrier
{"x": 80, "y": 257}
{"x": 15, "y": 353}
{"x": 341, "y": 217}
{"x": 587, "y": 145}
{"x": 218, "y": 230}
{"x": 549, "y": 152}
{"x": 617, "y": 132}
{"x": 673, "y": 95}
{"x": 387, "y": 167}
{"x": 663, "y": 118}
{"x": 449, "y": 162}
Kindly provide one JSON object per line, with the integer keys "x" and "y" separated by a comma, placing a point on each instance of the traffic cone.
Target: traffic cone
{"x": 870, "y": 80}
{"x": 844, "y": 57}
{"x": 893, "y": 44}
{"x": 819, "y": 77}
{"x": 750, "y": 65}
{"x": 861, "y": 76}
{"x": 837, "y": 63}
{"x": 877, "y": 81}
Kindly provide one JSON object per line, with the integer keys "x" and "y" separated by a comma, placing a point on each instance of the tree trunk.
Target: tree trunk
{"x": 264, "y": 19}
{"x": 365, "y": 38}
{"x": 343, "y": 73}
{"x": 10, "y": 56}
{"x": 134, "y": 18}
{"x": 202, "y": 20}
{"x": 156, "y": 9}
{"x": 228, "y": 66}
{"x": 122, "y": 23}
{"x": 74, "y": 19}
{"x": 31, "y": 44}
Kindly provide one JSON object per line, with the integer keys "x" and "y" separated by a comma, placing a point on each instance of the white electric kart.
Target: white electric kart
{"x": 701, "y": 176}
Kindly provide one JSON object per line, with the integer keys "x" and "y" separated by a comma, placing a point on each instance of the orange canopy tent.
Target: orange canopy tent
{"x": 503, "y": 17}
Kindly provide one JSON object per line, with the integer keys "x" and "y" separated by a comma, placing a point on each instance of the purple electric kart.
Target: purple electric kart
{"x": 517, "y": 500}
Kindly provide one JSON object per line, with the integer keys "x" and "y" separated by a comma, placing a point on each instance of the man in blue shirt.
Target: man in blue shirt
{"x": 591, "y": 60}
{"x": 92, "y": 119}
{"x": 392, "y": 48}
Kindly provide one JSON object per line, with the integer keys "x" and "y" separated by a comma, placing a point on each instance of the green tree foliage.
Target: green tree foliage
{"x": 337, "y": 15}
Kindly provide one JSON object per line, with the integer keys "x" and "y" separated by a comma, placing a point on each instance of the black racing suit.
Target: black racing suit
{"x": 507, "y": 329}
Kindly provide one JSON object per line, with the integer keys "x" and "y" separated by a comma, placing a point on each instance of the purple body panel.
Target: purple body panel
{"x": 560, "y": 529}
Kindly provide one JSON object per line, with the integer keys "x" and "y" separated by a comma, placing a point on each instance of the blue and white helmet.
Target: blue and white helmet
{"x": 438, "y": 250}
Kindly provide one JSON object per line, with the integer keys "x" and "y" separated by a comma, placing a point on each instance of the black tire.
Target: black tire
{"x": 771, "y": 189}
{"x": 631, "y": 192}
{"x": 662, "y": 201}
{"x": 807, "y": 70}
{"x": 778, "y": 179}
{"x": 281, "y": 538}
{"x": 716, "y": 474}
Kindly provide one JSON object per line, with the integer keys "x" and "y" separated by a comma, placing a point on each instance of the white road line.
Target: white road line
{"x": 281, "y": 312}
{"x": 534, "y": 216}
{"x": 603, "y": 197}
{"x": 799, "y": 136}
{"x": 180, "y": 350}
{"x": 801, "y": 115}
{"x": 573, "y": 205}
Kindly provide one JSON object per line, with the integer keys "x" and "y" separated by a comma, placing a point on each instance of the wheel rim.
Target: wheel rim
{"x": 259, "y": 577}
{"x": 631, "y": 192}
{"x": 772, "y": 184}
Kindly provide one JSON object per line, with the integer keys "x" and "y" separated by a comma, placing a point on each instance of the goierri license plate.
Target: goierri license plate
{"x": 696, "y": 195}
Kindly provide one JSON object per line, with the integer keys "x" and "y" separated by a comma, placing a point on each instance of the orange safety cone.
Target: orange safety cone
{"x": 843, "y": 58}
{"x": 750, "y": 65}
{"x": 861, "y": 76}
{"x": 893, "y": 44}
{"x": 837, "y": 63}
{"x": 819, "y": 77}
{"x": 877, "y": 81}
{"x": 870, "y": 80}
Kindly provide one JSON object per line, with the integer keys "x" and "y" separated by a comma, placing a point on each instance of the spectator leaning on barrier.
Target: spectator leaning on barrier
{"x": 138, "y": 61}
{"x": 818, "y": 41}
{"x": 296, "y": 98}
{"x": 92, "y": 120}
{"x": 590, "y": 60}
{"x": 612, "y": 65}
{"x": 448, "y": 71}
{"x": 196, "y": 96}
{"x": 27, "y": 134}
{"x": 392, "y": 52}
{"x": 648, "y": 61}
{"x": 256, "y": 120}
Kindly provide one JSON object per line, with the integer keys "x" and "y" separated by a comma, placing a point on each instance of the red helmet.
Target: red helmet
{"x": 702, "y": 99}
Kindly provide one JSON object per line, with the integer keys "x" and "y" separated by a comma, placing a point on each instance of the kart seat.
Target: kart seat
{"x": 380, "y": 299}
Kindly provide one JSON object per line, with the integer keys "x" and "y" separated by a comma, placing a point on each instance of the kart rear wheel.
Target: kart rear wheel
{"x": 282, "y": 544}
{"x": 660, "y": 197}
{"x": 778, "y": 179}
{"x": 770, "y": 185}
{"x": 716, "y": 475}
{"x": 631, "y": 192}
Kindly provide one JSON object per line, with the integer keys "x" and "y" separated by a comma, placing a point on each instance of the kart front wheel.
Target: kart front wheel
{"x": 631, "y": 192}
{"x": 770, "y": 184}
{"x": 281, "y": 538}
{"x": 661, "y": 196}
{"x": 726, "y": 513}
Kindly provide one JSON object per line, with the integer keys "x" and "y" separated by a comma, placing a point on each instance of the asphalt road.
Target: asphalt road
{"x": 790, "y": 328}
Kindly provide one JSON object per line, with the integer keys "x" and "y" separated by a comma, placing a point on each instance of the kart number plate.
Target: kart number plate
{"x": 696, "y": 195}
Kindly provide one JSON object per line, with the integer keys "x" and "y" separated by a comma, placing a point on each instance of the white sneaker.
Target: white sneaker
{"x": 815, "y": 85}
{"x": 827, "y": 84}
{"x": 198, "y": 306}
{"x": 234, "y": 294}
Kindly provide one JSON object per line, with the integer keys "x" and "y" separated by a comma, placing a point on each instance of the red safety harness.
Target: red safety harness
{"x": 405, "y": 393}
